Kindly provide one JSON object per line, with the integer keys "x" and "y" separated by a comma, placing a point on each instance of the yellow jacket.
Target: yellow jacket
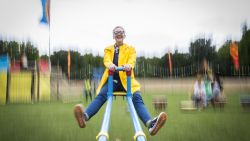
{"x": 127, "y": 55}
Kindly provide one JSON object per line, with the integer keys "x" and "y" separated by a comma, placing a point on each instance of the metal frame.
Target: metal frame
{"x": 103, "y": 134}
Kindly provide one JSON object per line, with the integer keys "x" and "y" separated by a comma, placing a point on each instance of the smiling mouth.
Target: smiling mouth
{"x": 119, "y": 37}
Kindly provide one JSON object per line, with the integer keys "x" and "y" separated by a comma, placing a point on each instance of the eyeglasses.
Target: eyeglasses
{"x": 118, "y": 32}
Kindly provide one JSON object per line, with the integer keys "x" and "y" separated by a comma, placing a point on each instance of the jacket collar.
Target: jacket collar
{"x": 120, "y": 48}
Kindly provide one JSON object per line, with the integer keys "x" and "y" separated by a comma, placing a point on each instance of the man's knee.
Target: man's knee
{"x": 103, "y": 92}
{"x": 137, "y": 98}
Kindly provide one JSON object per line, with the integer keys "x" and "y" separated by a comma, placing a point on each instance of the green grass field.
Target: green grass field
{"x": 55, "y": 122}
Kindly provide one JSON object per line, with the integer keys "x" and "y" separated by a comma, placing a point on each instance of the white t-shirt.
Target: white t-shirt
{"x": 199, "y": 89}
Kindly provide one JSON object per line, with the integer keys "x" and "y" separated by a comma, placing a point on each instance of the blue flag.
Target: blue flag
{"x": 46, "y": 12}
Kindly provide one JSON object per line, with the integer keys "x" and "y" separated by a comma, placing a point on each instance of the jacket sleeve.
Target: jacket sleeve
{"x": 107, "y": 60}
{"x": 132, "y": 57}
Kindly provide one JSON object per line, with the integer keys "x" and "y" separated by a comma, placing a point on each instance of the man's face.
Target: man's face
{"x": 119, "y": 38}
{"x": 119, "y": 35}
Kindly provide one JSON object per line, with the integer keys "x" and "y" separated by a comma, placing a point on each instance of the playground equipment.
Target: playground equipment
{"x": 103, "y": 134}
{"x": 160, "y": 103}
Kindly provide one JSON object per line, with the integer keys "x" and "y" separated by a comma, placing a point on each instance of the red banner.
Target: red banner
{"x": 234, "y": 54}
{"x": 69, "y": 64}
{"x": 170, "y": 62}
{"x": 15, "y": 66}
{"x": 43, "y": 65}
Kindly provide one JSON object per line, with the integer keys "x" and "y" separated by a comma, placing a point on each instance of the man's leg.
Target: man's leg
{"x": 141, "y": 108}
{"x": 154, "y": 125}
{"x": 97, "y": 103}
{"x": 82, "y": 116}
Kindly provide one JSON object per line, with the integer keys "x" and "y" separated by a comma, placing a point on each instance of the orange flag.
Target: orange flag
{"x": 234, "y": 54}
{"x": 69, "y": 64}
{"x": 170, "y": 62}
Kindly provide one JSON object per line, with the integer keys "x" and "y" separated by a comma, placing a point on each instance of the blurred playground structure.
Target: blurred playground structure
{"x": 24, "y": 85}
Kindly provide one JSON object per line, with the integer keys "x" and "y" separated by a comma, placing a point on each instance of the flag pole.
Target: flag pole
{"x": 170, "y": 68}
{"x": 49, "y": 11}
{"x": 49, "y": 51}
{"x": 144, "y": 78}
{"x": 46, "y": 20}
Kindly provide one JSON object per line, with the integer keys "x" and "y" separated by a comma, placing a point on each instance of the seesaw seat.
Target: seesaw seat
{"x": 119, "y": 93}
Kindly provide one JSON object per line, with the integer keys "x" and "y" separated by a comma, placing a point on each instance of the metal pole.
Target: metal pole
{"x": 139, "y": 135}
{"x": 103, "y": 134}
{"x": 143, "y": 78}
{"x": 49, "y": 52}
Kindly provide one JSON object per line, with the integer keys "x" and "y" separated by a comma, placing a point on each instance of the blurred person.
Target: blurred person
{"x": 199, "y": 91}
{"x": 24, "y": 61}
{"x": 217, "y": 89}
{"x": 87, "y": 90}
{"x": 207, "y": 76}
{"x": 120, "y": 54}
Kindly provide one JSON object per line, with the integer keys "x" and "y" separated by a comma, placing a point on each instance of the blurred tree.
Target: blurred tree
{"x": 244, "y": 28}
{"x": 46, "y": 57}
{"x": 200, "y": 49}
{"x": 15, "y": 50}
{"x": 3, "y": 47}
{"x": 224, "y": 59}
{"x": 244, "y": 48}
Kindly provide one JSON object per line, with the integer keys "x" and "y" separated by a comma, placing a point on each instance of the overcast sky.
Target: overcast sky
{"x": 152, "y": 26}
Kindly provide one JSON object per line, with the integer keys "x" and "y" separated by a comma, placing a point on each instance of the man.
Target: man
{"x": 120, "y": 54}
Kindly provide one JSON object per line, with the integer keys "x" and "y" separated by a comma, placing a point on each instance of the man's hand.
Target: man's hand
{"x": 127, "y": 67}
{"x": 112, "y": 67}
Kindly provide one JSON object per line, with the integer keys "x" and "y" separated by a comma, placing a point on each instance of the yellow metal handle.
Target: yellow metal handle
{"x": 140, "y": 133}
{"x": 102, "y": 134}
